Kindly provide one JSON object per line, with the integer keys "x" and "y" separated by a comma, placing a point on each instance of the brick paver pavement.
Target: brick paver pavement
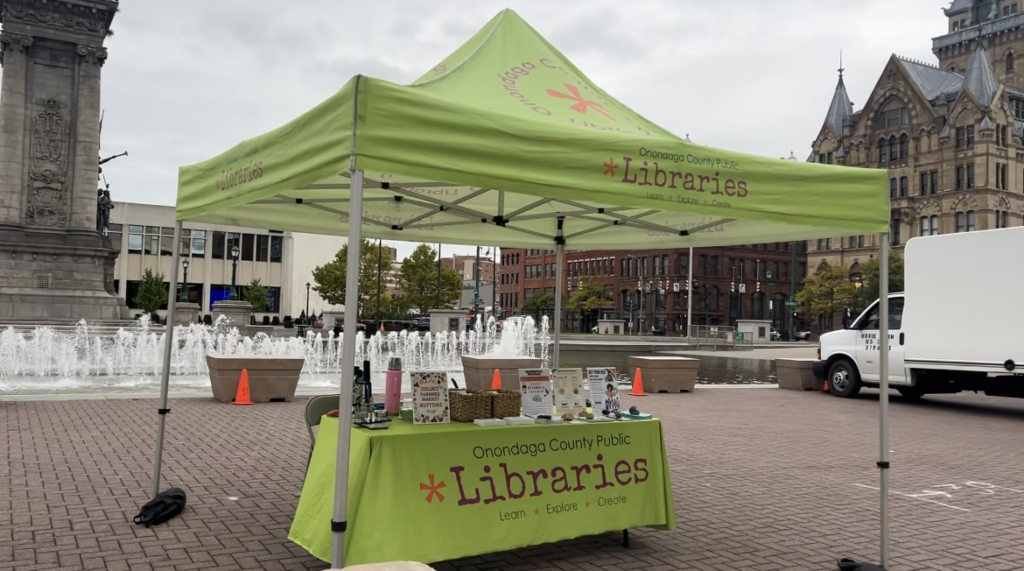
{"x": 764, "y": 479}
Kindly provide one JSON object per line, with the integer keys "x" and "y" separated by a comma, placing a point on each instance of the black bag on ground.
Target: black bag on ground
{"x": 851, "y": 565}
{"x": 163, "y": 507}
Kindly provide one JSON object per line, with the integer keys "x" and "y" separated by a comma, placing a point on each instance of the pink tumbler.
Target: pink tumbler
{"x": 393, "y": 386}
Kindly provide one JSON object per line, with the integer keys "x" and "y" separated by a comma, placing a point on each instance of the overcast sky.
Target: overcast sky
{"x": 187, "y": 79}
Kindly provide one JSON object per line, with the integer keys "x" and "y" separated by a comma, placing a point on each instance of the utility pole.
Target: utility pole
{"x": 438, "y": 303}
{"x": 380, "y": 246}
{"x": 476, "y": 290}
{"x": 792, "y": 291}
{"x": 689, "y": 295}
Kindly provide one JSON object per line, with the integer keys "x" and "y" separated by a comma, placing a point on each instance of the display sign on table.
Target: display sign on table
{"x": 429, "y": 397}
{"x": 535, "y": 385}
{"x": 604, "y": 389}
{"x": 568, "y": 390}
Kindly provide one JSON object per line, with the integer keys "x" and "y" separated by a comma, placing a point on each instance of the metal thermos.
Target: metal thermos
{"x": 393, "y": 386}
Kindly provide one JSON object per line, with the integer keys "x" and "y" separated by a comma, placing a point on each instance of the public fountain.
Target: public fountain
{"x": 84, "y": 360}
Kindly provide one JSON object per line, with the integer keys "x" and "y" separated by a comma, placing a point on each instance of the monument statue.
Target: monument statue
{"x": 56, "y": 262}
{"x": 103, "y": 207}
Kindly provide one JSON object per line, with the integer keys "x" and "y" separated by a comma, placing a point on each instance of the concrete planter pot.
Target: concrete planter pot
{"x": 479, "y": 370}
{"x": 795, "y": 374}
{"x": 271, "y": 378}
{"x": 665, "y": 374}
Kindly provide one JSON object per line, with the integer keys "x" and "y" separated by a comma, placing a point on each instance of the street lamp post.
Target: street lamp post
{"x": 790, "y": 311}
{"x": 234, "y": 273}
{"x": 184, "y": 282}
{"x": 307, "y": 301}
{"x": 380, "y": 250}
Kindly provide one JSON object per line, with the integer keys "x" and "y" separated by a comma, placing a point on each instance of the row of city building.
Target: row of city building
{"x": 647, "y": 289}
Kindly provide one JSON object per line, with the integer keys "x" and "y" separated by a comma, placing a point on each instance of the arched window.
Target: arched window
{"x": 714, "y": 298}
{"x": 883, "y": 150}
{"x": 894, "y": 150}
{"x": 1009, "y": 62}
{"x": 904, "y": 146}
{"x": 893, "y": 114}
{"x": 904, "y": 187}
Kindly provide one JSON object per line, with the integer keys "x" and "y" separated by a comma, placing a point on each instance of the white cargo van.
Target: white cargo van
{"x": 958, "y": 325}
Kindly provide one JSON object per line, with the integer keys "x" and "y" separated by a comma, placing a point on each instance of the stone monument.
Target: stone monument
{"x": 56, "y": 264}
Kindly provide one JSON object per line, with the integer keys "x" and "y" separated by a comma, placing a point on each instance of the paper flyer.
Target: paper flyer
{"x": 604, "y": 389}
{"x": 568, "y": 388}
{"x": 535, "y": 385}
{"x": 429, "y": 397}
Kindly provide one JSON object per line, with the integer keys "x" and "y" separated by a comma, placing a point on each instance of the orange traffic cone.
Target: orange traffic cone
{"x": 638, "y": 385}
{"x": 496, "y": 381}
{"x": 824, "y": 386}
{"x": 242, "y": 396}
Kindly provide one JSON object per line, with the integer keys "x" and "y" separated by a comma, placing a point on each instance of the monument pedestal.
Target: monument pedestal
{"x": 186, "y": 313}
{"x": 236, "y": 313}
{"x": 55, "y": 263}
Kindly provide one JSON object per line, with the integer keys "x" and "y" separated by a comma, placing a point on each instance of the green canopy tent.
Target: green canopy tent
{"x": 507, "y": 143}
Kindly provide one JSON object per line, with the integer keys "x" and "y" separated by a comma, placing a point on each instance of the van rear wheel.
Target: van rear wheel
{"x": 843, "y": 379}
{"x": 911, "y": 393}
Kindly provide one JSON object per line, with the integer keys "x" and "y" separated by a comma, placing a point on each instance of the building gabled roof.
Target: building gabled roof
{"x": 958, "y": 6}
{"x": 840, "y": 108}
{"x": 931, "y": 80}
{"x": 980, "y": 78}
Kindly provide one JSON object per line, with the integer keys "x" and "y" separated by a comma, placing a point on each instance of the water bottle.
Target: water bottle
{"x": 393, "y": 386}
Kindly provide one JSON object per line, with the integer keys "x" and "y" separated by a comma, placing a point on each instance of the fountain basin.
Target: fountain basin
{"x": 270, "y": 377}
{"x": 479, "y": 370}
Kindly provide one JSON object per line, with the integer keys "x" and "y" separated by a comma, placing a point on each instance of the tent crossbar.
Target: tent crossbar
{"x": 439, "y": 224}
{"x": 470, "y": 196}
{"x": 501, "y": 204}
{"x": 428, "y": 214}
{"x": 634, "y": 220}
{"x": 371, "y": 184}
{"x": 530, "y": 232}
{"x": 345, "y": 215}
{"x": 527, "y": 208}
{"x": 448, "y": 206}
{"x": 442, "y": 208}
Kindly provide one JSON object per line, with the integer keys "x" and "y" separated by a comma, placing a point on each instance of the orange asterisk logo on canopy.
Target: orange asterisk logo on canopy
{"x": 433, "y": 489}
{"x": 581, "y": 104}
{"x": 609, "y": 167}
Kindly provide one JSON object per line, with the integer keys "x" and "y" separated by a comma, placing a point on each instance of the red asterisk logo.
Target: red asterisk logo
{"x": 433, "y": 489}
{"x": 581, "y": 104}
{"x": 609, "y": 167}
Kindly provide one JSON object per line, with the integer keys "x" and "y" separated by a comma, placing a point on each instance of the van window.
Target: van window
{"x": 870, "y": 320}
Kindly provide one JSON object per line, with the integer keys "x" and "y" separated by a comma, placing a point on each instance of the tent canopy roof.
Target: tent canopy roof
{"x": 500, "y": 140}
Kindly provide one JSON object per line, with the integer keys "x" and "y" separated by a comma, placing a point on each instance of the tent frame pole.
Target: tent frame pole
{"x": 348, "y": 363}
{"x": 165, "y": 373}
{"x": 883, "y": 396}
{"x": 559, "y": 287}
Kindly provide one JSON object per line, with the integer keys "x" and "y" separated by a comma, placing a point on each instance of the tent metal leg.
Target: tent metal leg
{"x": 883, "y": 397}
{"x": 625, "y": 538}
{"x": 165, "y": 373}
{"x": 559, "y": 288}
{"x": 348, "y": 363}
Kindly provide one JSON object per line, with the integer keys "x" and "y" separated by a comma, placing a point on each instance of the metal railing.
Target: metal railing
{"x": 721, "y": 338}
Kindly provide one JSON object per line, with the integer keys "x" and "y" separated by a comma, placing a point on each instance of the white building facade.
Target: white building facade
{"x": 282, "y": 261}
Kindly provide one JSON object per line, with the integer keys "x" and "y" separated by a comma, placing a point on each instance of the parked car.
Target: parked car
{"x": 421, "y": 323}
{"x": 802, "y": 335}
{"x": 776, "y": 336}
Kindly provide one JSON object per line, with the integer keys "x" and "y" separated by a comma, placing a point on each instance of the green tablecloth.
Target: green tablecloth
{"x": 433, "y": 493}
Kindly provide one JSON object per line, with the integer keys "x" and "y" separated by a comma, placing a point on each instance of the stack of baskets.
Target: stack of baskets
{"x": 470, "y": 405}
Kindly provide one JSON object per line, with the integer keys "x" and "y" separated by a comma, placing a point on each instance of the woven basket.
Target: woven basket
{"x": 468, "y": 406}
{"x": 505, "y": 404}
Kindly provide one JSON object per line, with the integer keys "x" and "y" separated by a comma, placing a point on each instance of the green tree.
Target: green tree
{"x": 869, "y": 275}
{"x": 539, "y": 304}
{"x": 827, "y": 292}
{"x": 588, "y": 297}
{"x": 152, "y": 292}
{"x": 257, "y": 295}
{"x": 418, "y": 282}
{"x": 329, "y": 279}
